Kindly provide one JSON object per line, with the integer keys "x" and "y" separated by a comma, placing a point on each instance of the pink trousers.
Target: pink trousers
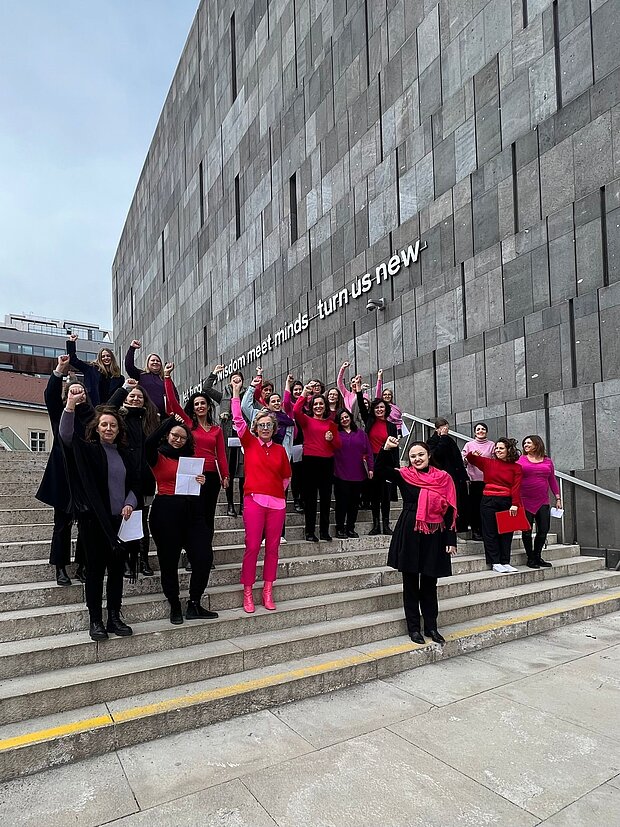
{"x": 259, "y": 522}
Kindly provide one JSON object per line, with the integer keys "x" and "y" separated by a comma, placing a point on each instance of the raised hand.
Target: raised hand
{"x": 179, "y": 418}
{"x": 345, "y": 365}
{"x": 380, "y": 373}
{"x": 63, "y": 364}
{"x": 259, "y": 371}
{"x": 235, "y": 383}
{"x": 131, "y": 383}
{"x": 218, "y": 368}
{"x": 168, "y": 368}
{"x": 135, "y": 343}
{"x": 75, "y": 396}
{"x": 72, "y": 337}
{"x": 256, "y": 381}
{"x": 390, "y": 443}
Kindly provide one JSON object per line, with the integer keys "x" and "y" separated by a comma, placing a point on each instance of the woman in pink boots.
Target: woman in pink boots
{"x": 267, "y": 475}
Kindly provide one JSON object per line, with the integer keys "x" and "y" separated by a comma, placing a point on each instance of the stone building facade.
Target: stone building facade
{"x": 304, "y": 143}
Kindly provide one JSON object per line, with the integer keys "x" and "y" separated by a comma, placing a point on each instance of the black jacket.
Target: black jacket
{"x": 392, "y": 455}
{"x": 136, "y": 437}
{"x": 98, "y": 386}
{"x": 447, "y": 456}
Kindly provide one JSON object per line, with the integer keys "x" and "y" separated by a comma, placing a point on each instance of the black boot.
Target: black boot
{"x": 117, "y": 625}
{"x": 376, "y": 528}
{"x": 531, "y": 563}
{"x": 434, "y": 636}
{"x": 544, "y": 564}
{"x": 97, "y": 630}
{"x": 298, "y": 507}
{"x": 230, "y": 512}
{"x": 416, "y": 637}
{"x": 145, "y": 568}
{"x": 176, "y": 613}
{"x": 80, "y": 573}
{"x": 386, "y": 528}
{"x": 62, "y": 578}
{"x": 195, "y": 611}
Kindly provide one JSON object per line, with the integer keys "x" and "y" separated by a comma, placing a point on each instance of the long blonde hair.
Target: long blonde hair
{"x": 113, "y": 370}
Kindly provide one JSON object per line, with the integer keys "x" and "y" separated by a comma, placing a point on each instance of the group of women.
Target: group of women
{"x": 119, "y": 442}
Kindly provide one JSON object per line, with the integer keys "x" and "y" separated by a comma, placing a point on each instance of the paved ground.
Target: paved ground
{"x": 525, "y": 733}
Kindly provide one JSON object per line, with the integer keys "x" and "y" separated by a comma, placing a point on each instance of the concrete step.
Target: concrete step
{"x": 19, "y": 496}
{"x": 504, "y": 592}
{"x": 39, "y": 621}
{"x": 27, "y": 478}
{"x": 67, "y": 736}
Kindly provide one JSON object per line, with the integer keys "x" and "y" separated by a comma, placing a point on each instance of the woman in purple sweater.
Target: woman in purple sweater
{"x": 353, "y": 463}
{"x": 538, "y": 478}
{"x": 151, "y": 378}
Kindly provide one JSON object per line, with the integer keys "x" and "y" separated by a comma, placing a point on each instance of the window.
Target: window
{"x": 233, "y": 57}
{"x": 237, "y": 208}
{"x": 37, "y": 441}
{"x": 292, "y": 187}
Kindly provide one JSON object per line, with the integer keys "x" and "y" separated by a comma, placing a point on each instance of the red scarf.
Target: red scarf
{"x": 437, "y": 493}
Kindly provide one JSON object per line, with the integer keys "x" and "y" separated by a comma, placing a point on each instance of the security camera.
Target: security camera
{"x": 375, "y": 304}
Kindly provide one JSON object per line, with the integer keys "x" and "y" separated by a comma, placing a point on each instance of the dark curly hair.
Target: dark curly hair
{"x": 189, "y": 409}
{"x": 338, "y": 417}
{"x": 512, "y": 452}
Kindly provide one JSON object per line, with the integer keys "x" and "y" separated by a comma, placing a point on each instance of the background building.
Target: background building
{"x": 24, "y": 423}
{"x": 32, "y": 344}
{"x": 303, "y": 143}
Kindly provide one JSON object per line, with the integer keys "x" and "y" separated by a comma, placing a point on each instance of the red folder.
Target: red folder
{"x": 507, "y": 523}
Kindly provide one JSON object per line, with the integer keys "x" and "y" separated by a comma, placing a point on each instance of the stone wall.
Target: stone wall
{"x": 488, "y": 129}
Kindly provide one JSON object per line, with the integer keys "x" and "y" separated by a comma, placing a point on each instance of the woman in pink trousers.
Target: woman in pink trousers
{"x": 267, "y": 475}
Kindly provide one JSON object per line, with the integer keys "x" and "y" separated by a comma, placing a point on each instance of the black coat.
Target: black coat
{"x": 412, "y": 551}
{"x": 132, "y": 417}
{"x": 98, "y": 386}
{"x": 447, "y": 456}
{"x": 54, "y": 487}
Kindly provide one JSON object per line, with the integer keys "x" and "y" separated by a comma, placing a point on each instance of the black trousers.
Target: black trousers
{"x": 145, "y": 541}
{"x": 233, "y": 461}
{"x": 543, "y": 522}
{"x": 476, "y": 487}
{"x": 297, "y": 481}
{"x": 496, "y": 545}
{"x": 318, "y": 476}
{"x": 347, "y": 496}
{"x": 60, "y": 550}
{"x": 380, "y": 497}
{"x": 420, "y": 595}
{"x": 209, "y": 492}
{"x": 177, "y": 522}
{"x": 99, "y": 558}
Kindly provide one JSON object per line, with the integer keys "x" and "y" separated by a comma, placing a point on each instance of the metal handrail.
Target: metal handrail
{"x": 12, "y": 440}
{"x": 596, "y": 489}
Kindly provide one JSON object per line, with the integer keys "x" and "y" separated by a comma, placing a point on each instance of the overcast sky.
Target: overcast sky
{"x": 82, "y": 84}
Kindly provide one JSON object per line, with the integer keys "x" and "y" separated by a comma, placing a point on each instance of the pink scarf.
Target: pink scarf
{"x": 437, "y": 493}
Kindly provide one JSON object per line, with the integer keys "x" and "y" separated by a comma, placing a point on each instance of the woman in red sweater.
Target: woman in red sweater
{"x": 267, "y": 475}
{"x": 502, "y": 492}
{"x": 209, "y": 440}
{"x": 177, "y": 520}
{"x": 321, "y": 439}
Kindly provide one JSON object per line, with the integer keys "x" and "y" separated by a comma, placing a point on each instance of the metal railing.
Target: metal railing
{"x": 428, "y": 427}
{"x": 12, "y": 441}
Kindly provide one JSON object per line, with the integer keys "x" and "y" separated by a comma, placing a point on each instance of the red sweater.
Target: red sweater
{"x": 314, "y": 430}
{"x": 208, "y": 444}
{"x": 165, "y": 473}
{"x": 501, "y": 479}
{"x": 377, "y": 435}
{"x": 266, "y": 467}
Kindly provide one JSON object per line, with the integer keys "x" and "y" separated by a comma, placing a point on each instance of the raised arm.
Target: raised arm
{"x": 76, "y": 396}
{"x": 235, "y": 409}
{"x": 172, "y": 402}
{"x": 53, "y": 391}
{"x": 247, "y": 403}
{"x": 379, "y": 388}
{"x": 300, "y": 416}
{"x": 120, "y": 394}
{"x": 130, "y": 366}
{"x": 361, "y": 405}
{"x": 210, "y": 381}
{"x": 73, "y": 358}
{"x": 152, "y": 441}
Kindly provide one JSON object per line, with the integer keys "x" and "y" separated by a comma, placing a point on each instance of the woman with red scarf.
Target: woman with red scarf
{"x": 424, "y": 538}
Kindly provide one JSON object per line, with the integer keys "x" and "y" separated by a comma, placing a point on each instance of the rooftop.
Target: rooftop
{"x": 19, "y": 387}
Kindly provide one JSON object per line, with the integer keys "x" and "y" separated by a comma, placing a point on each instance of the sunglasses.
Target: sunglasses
{"x": 264, "y": 425}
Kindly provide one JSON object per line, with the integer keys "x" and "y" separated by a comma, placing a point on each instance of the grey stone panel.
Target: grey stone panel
{"x": 488, "y": 133}
{"x": 528, "y": 188}
{"x": 557, "y": 177}
{"x": 576, "y": 61}
{"x": 444, "y": 165}
{"x": 485, "y": 221}
{"x": 593, "y": 155}
{"x": 589, "y": 256}
{"x": 430, "y": 89}
{"x": 516, "y": 114}
{"x": 613, "y": 244}
{"x": 608, "y": 430}
{"x": 606, "y": 38}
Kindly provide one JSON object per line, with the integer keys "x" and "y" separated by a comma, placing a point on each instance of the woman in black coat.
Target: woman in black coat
{"x": 424, "y": 538}
{"x": 104, "y": 490}
{"x": 141, "y": 420}
{"x": 447, "y": 456}
{"x": 378, "y": 427}
{"x": 54, "y": 487}
{"x": 101, "y": 377}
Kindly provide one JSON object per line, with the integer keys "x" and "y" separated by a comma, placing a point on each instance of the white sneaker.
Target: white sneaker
{"x": 262, "y": 542}
{"x": 282, "y": 540}
{"x": 498, "y": 568}
{"x": 510, "y": 569}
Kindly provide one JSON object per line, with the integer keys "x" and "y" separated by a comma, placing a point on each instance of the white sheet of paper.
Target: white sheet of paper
{"x": 234, "y": 442}
{"x": 297, "y": 453}
{"x": 557, "y": 512}
{"x": 131, "y": 529}
{"x": 189, "y": 468}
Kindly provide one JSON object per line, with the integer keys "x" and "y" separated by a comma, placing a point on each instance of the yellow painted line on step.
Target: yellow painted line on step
{"x": 243, "y": 687}
{"x": 53, "y": 732}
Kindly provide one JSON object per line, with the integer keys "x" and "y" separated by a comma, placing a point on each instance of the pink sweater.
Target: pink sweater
{"x": 538, "y": 478}
{"x": 485, "y": 448}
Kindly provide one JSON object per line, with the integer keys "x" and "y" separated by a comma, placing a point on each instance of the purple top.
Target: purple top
{"x": 349, "y": 458}
{"x": 151, "y": 382}
{"x": 538, "y": 478}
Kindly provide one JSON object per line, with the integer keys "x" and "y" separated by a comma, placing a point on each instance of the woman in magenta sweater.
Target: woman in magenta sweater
{"x": 353, "y": 463}
{"x": 267, "y": 475}
{"x": 321, "y": 439}
{"x": 502, "y": 492}
{"x": 538, "y": 478}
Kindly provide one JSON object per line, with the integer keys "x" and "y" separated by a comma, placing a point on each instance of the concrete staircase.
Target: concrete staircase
{"x": 339, "y": 622}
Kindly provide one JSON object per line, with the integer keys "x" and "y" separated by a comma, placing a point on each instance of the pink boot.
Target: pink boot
{"x": 248, "y": 600}
{"x": 268, "y": 596}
